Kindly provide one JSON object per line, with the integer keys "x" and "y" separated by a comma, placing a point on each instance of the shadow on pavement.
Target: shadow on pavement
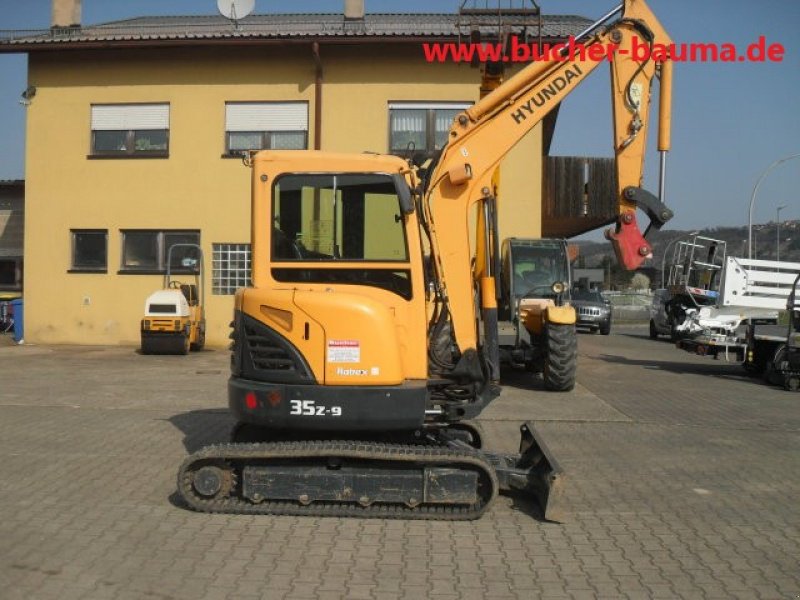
{"x": 203, "y": 427}
{"x": 522, "y": 380}
{"x": 526, "y": 505}
{"x": 723, "y": 370}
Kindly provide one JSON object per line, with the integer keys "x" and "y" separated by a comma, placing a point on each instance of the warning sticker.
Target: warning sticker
{"x": 344, "y": 351}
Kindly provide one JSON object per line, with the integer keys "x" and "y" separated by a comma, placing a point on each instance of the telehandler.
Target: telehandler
{"x": 369, "y": 337}
{"x": 536, "y": 320}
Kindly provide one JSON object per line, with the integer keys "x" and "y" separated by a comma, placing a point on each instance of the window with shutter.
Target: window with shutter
{"x": 265, "y": 126}
{"x": 127, "y": 130}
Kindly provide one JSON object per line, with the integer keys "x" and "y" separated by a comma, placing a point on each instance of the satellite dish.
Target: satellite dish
{"x": 235, "y": 9}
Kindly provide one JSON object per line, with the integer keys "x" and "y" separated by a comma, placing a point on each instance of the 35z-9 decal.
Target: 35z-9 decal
{"x": 309, "y": 408}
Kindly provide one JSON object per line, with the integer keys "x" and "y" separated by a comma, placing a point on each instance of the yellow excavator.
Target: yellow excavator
{"x": 369, "y": 337}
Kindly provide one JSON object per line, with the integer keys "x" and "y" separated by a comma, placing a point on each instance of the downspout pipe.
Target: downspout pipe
{"x": 317, "y": 96}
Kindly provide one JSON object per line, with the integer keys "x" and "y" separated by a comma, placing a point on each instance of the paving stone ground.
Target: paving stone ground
{"x": 683, "y": 482}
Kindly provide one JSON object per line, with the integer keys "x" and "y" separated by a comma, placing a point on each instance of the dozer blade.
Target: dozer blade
{"x": 545, "y": 476}
{"x": 534, "y": 471}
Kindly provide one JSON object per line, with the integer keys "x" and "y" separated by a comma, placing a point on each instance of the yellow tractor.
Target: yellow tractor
{"x": 174, "y": 321}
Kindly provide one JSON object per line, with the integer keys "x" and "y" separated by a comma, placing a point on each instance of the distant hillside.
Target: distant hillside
{"x": 600, "y": 254}
{"x": 764, "y": 242}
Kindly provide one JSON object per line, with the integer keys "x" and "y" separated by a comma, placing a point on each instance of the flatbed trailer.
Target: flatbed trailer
{"x": 743, "y": 324}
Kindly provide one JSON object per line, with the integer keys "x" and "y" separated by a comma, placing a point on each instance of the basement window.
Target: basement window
{"x": 421, "y": 127}
{"x": 130, "y": 131}
{"x": 11, "y": 274}
{"x": 89, "y": 251}
{"x": 145, "y": 251}
{"x": 265, "y": 126}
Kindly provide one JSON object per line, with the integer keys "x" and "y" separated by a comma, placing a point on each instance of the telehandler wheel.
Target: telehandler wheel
{"x": 653, "y": 330}
{"x": 561, "y": 360}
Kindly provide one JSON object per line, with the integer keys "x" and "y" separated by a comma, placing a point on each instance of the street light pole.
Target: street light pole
{"x": 778, "y": 236}
{"x": 780, "y": 161}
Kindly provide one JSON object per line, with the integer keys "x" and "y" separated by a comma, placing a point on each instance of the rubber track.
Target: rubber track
{"x": 561, "y": 362}
{"x": 242, "y": 454}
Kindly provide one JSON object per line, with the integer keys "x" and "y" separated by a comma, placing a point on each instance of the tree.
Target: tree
{"x": 640, "y": 281}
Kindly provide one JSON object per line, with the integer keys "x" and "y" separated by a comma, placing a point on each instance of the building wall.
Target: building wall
{"x": 195, "y": 188}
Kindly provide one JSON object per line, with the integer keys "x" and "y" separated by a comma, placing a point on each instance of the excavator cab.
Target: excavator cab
{"x": 532, "y": 266}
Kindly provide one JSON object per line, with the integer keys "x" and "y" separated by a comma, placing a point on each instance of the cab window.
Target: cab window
{"x": 354, "y": 219}
{"x": 337, "y": 217}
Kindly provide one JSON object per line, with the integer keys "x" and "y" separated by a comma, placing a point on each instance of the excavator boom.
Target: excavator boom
{"x": 482, "y": 136}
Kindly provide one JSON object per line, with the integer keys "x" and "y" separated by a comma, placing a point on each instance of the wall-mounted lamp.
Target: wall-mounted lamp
{"x": 28, "y": 95}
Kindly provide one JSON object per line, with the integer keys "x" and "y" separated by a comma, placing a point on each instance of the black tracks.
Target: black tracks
{"x": 237, "y": 456}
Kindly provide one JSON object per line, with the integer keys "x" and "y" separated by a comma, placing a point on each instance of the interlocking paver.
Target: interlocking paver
{"x": 683, "y": 476}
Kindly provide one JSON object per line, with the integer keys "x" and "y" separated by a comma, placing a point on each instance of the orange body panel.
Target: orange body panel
{"x": 357, "y": 334}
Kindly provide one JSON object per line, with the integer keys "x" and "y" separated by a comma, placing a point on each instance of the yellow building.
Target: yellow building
{"x": 134, "y": 133}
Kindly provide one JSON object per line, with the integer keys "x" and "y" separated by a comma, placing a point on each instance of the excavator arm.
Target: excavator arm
{"x": 483, "y": 135}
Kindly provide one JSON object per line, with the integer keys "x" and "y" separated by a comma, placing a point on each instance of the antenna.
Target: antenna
{"x": 235, "y": 9}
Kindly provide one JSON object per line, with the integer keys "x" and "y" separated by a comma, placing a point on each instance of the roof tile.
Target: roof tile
{"x": 283, "y": 26}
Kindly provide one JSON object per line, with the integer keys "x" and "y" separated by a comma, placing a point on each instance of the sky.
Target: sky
{"x": 731, "y": 121}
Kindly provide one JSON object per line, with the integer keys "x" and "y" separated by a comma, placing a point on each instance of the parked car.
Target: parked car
{"x": 593, "y": 310}
{"x": 660, "y": 320}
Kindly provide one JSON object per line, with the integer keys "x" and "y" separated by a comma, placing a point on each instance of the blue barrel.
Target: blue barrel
{"x": 16, "y": 307}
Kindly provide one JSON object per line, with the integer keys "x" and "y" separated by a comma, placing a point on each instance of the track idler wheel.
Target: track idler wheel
{"x": 214, "y": 481}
